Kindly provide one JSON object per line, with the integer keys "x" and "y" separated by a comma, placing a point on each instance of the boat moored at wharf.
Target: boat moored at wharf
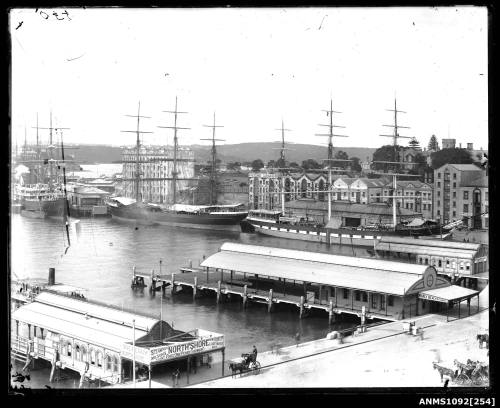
{"x": 274, "y": 223}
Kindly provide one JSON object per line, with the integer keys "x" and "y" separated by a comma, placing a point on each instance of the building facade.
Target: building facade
{"x": 412, "y": 195}
{"x": 461, "y": 193}
{"x": 155, "y": 165}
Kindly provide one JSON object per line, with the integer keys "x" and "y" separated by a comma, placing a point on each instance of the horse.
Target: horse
{"x": 443, "y": 371}
{"x": 483, "y": 338}
{"x": 235, "y": 367}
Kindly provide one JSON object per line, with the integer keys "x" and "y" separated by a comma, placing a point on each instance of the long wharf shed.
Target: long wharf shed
{"x": 101, "y": 342}
{"x": 335, "y": 283}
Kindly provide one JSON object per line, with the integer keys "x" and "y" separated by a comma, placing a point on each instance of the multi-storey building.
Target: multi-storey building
{"x": 155, "y": 166}
{"x": 412, "y": 195}
{"x": 461, "y": 191}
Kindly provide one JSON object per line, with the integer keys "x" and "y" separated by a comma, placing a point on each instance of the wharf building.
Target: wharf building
{"x": 85, "y": 200}
{"x": 367, "y": 288}
{"x": 103, "y": 343}
{"x": 156, "y": 164}
{"x": 461, "y": 193}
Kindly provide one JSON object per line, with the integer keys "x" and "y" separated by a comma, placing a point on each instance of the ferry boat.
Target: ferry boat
{"x": 275, "y": 223}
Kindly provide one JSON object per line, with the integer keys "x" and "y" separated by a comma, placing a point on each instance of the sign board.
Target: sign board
{"x": 310, "y": 297}
{"x": 173, "y": 351}
{"x": 425, "y": 296}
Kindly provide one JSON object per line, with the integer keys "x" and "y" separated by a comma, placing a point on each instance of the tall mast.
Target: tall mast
{"x": 51, "y": 147}
{"x": 213, "y": 193}
{"x": 283, "y": 148}
{"x": 395, "y": 136}
{"x": 137, "y": 176}
{"x": 330, "y": 158}
{"x": 176, "y": 146}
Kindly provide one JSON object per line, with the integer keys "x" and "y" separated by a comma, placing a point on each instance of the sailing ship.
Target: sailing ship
{"x": 213, "y": 216}
{"x": 40, "y": 192}
{"x": 278, "y": 223}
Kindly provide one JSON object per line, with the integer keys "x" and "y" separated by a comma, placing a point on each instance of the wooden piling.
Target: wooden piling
{"x": 330, "y": 313}
{"x": 245, "y": 297}
{"x": 301, "y": 307}
{"x": 270, "y": 301}
{"x": 173, "y": 284}
{"x": 195, "y": 287}
{"x": 152, "y": 288}
{"x": 218, "y": 291}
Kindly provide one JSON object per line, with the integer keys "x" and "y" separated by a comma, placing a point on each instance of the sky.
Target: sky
{"x": 253, "y": 68}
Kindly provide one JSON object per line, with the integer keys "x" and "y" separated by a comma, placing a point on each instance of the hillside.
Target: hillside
{"x": 242, "y": 152}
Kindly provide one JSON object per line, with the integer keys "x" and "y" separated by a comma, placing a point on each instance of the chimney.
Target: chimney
{"x": 470, "y": 146}
{"x": 52, "y": 276}
{"x": 460, "y": 145}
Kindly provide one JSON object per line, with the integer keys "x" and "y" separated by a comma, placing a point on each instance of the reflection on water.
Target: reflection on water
{"x": 101, "y": 260}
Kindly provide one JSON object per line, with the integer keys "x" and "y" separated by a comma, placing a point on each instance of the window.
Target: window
{"x": 466, "y": 195}
{"x": 84, "y": 354}
{"x": 454, "y": 213}
{"x": 454, "y": 185}
{"x": 346, "y": 293}
{"x": 426, "y": 261}
{"x": 390, "y": 301}
{"x": 78, "y": 355}
{"x": 108, "y": 362}
{"x": 439, "y": 175}
{"x": 454, "y": 176}
{"x": 92, "y": 356}
{"x": 467, "y": 266}
{"x": 454, "y": 203}
{"x": 440, "y": 263}
{"x": 486, "y": 222}
{"x": 365, "y": 297}
{"x": 461, "y": 265}
{"x": 439, "y": 203}
{"x": 439, "y": 194}
{"x": 454, "y": 194}
{"x": 115, "y": 364}
{"x": 382, "y": 302}
{"x": 99, "y": 359}
{"x": 447, "y": 263}
{"x": 439, "y": 184}
{"x": 466, "y": 208}
{"x": 357, "y": 295}
{"x": 70, "y": 349}
{"x": 438, "y": 212}
{"x": 374, "y": 301}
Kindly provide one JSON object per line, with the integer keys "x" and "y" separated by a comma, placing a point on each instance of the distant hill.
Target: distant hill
{"x": 242, "y": 152}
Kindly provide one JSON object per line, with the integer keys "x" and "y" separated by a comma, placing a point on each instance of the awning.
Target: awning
{"x": 430, "y": 250}
{"x": 448, "y": 294}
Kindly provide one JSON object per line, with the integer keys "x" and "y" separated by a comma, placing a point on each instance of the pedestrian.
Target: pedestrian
{"x": 177, "y": 376}
{"x": 254, "y": 353}
{"x": 297, "y": 339}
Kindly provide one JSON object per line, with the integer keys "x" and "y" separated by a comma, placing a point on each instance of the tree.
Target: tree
{"x": 355, "y": 164}
{"x": 293, "y": 164}
{"x": 271, "y": 163}
{"x": 385, "y": 153}
{"x": 257, "y": 164}
{"x": 452, "y": 155}
{"x": 280, "y": 163}
{"x": 233, "y": 165}
{"x": 341, "y": 155}
{"x": 433, "y": 144}
{"x": 414, "y": 143}
{"x": 310, "y": 164}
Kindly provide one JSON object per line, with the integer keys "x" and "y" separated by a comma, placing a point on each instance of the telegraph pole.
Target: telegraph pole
{"x": 138, "y": 147}
{"x": 174, "y": 169}
{"x": 213, "y": 185}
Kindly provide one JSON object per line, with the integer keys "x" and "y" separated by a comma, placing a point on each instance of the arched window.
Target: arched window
{"x": 70, "y": 349}
{"x": 78, "y": 354}
{"x": 321, "y": 195}
{"x": 99, "y": 359}
{"x": 287, "y": 189}
{"x": 84, "y": 354}
{"x": 303, "y": 188}
{"x": 115, "y": 363}
{"x": 108, "y": 362}
{"x": 92, "y": 356}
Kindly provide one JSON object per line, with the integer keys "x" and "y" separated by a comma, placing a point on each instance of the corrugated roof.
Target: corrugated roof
{"x": 76, "y": 325}
{"x": 433, "y": 243}
{"x": 452, "y": 292}
{"x": 325, "y": 273}
{"x": 425, "y": 250}
{"x": 95, "y": 310}
{"x": 324, "y": 258}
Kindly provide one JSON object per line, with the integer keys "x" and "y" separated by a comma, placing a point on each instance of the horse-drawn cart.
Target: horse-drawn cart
{"x": 247, "y": 363}
{"x": 470, "y": 374}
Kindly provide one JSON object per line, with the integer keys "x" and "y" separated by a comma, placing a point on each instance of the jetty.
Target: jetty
{"x": 366, "y": 288}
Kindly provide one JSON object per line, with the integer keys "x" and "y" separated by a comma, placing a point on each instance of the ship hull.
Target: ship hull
{"x": 221, "y": 222}
{"x": 344, "y": 236}
{"x": 51, "y": 208}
